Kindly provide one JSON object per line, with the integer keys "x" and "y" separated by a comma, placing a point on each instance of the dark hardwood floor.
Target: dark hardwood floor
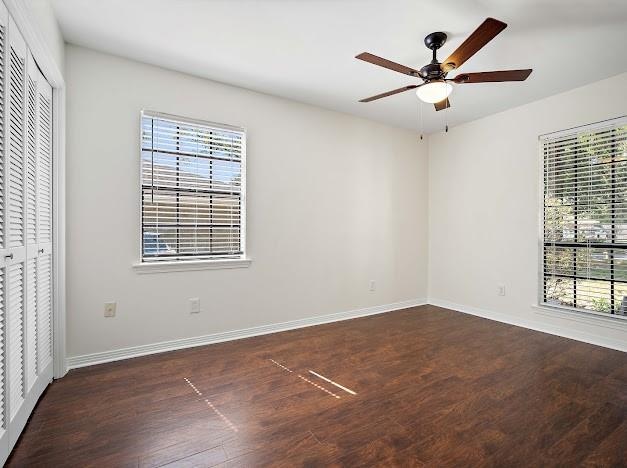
{"x": 433, "y": 388}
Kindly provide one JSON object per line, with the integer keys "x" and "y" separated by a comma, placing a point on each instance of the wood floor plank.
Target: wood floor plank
{"x": 433, "y": 388}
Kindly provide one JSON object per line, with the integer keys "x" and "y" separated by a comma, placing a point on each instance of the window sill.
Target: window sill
{"x": 190, "y": 265}
{"x": 618, "y": 322}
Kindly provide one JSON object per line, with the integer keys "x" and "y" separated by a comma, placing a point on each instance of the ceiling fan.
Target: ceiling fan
{"x": 436, "y": 87}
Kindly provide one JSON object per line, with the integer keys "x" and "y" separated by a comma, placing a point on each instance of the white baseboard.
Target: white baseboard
{"x": 537, "y": 325}
{"x": 143, "y": 350}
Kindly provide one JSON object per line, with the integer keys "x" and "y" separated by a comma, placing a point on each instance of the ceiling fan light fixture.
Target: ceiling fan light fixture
{"x": 434, "y": 91}
{"x": 436, "y": 88}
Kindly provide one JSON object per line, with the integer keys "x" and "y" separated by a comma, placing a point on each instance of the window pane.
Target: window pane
{"x": 191, "y": 190}
{"x": 585, "y": 218}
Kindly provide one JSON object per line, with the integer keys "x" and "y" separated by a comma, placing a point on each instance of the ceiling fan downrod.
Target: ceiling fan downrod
{"x": 433, "y": 71}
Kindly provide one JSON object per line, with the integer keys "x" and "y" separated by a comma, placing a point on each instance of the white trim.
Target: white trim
{"x": 58, "y": 231}
{"x": 578, "y": 335}
{"x": 243, "y": 194}
{"x": 36, "y": 42}
{"x": 143, "y": 350}
{"x": 135, "y": 351}
{"x": 191, "y": 265}
{"x": 540, "y": 202}
{"x": 190, "y": 120}
{"x": 590, "y": 317}
{"x": 51, "y": 71}
{"x": 620, "y": 120}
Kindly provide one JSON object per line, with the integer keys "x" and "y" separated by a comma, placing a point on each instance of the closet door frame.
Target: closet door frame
{"x": 45, "y": 59}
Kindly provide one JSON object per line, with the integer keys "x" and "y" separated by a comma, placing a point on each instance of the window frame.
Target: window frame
{"x": 194, "y": 263}
{"x": 541, "y": 304}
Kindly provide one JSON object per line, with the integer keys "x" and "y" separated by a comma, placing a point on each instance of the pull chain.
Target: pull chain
{"x": 446, "y": 110}
{"x": 421, "y": 120}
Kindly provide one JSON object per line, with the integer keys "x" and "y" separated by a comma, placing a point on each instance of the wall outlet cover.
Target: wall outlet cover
{"x": 109, "y": 309}
{"x": 194, "y": 305}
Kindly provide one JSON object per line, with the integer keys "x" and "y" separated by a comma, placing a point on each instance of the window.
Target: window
{"x": 585, "y": 218}
{"x": 192, "y": 190}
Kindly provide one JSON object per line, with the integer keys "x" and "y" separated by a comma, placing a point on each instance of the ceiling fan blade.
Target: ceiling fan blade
{"x": 385, "y": 63}
{"x": 482, "y": 35}
{"x": 389, "y": 93}
{"x": 493, "y": 76}
{"x": 445, "y": 104}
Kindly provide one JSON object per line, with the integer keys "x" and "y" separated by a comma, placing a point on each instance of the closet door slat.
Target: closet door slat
{"x": 44, "y": 164}
{"x": 15, "y": 328}
{"x": 2, "y": 346}
{"x": 31, "y": 321}
{"x": 3, "y": 41}
{"x": 44, "y": 310}
{"x": 15, "y": 146}
{"x": 31, "y": 158}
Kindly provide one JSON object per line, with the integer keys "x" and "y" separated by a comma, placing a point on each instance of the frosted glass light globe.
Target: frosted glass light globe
{"x": 434, "y": 91}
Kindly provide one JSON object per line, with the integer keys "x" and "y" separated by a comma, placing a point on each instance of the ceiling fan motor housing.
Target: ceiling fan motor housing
{"x": 433, "y": 71}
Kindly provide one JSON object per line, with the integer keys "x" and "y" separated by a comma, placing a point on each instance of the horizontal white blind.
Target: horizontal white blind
{"x": 192, "y": 191}
{"x": 585, "y": 218}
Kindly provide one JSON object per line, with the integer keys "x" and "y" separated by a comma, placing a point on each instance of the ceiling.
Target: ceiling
{"x": 304, "y": 49}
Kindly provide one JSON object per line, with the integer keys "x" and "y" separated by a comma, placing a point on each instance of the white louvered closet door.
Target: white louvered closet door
{"x": 25, "y": 233}
{"x": 4, "y": 432}
{"x": 30, "y": 342}
{"x": 15, "y": 204}
{"x": 43, "y": 235}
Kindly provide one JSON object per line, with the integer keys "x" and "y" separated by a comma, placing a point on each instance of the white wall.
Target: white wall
{"x": 333, "y": 201}
{"x": 484, "y": 205}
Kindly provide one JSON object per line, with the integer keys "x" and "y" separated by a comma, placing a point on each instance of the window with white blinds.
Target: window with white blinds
{"x": 585, "y": 218}
{"x": 192, "y": 189}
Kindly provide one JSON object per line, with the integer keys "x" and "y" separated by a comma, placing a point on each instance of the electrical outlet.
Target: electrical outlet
{"x": 372, "y": 285}
{"x": 109, "y": 309}
{"x": 194, "y": 305}
{"x": 500, "y": 290}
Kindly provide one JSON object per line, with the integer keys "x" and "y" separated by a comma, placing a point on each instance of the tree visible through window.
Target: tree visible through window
{"x": 585, "y": 218}
{"x": 192, "y": 189}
